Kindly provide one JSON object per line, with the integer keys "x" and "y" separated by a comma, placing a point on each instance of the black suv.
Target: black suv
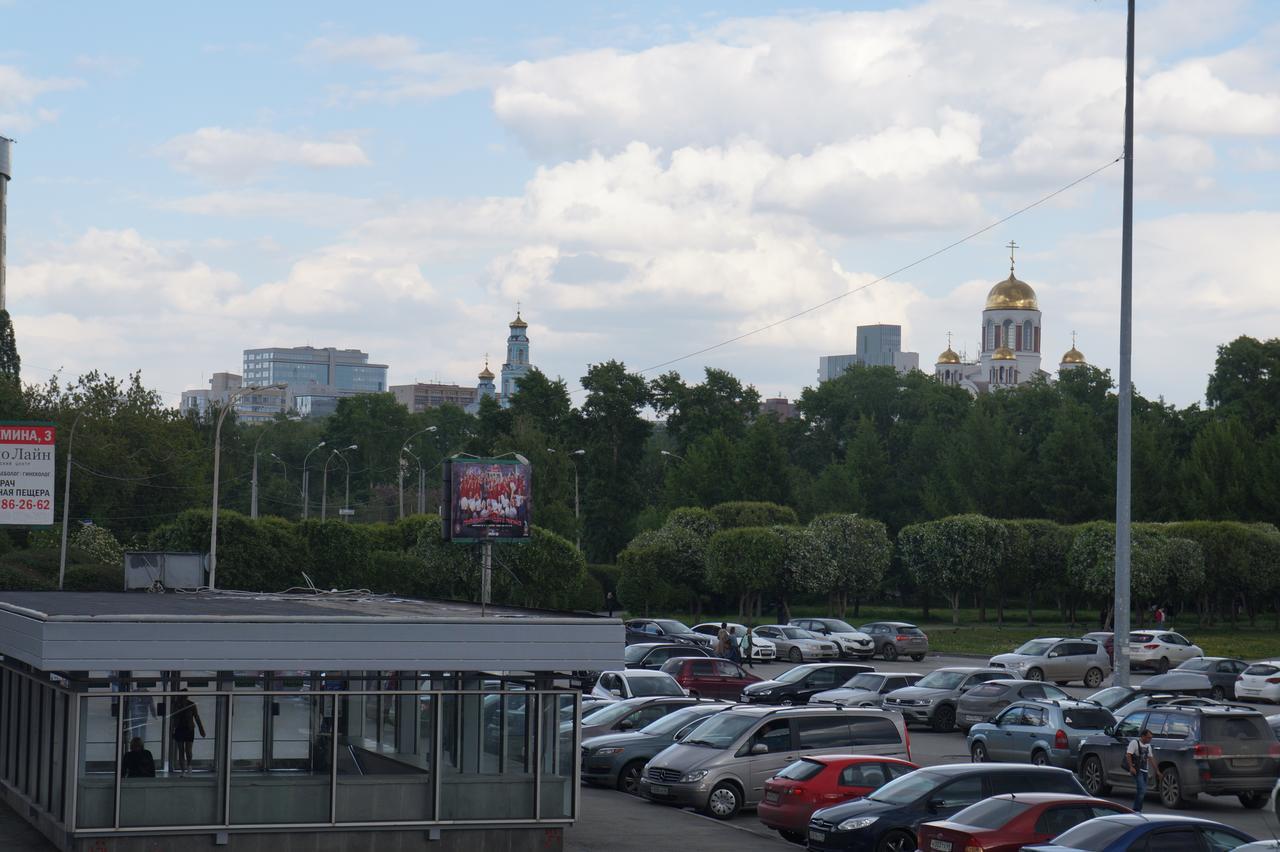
{"x": 1218, "y": 750}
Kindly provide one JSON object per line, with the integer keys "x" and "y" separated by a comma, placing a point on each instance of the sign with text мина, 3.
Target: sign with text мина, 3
{"x": 26, "y": 474}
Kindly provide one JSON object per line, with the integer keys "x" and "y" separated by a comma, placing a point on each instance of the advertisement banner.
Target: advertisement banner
{"x": 26, "y": 474}
{"x": 489, "y": 500}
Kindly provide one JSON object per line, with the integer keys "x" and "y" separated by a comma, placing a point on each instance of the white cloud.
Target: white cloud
{"x": 241, "y": 155}
{"x": 414, "y": 74}
{"x": 18, "y": 94}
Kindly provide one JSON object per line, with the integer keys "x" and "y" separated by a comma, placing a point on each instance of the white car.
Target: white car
{"x": 1160, "y": 649}
{"x": 797, "y": 644}
{"x": 852, "y": 641}
{"x": 1260, "y": 682}
{"x": 635, "y": 683}
{"x": 761, "y": 651}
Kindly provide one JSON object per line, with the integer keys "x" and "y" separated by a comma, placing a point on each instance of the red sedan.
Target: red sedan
{"x": 820, "y": 781}
{"x": 1007, "y": 823}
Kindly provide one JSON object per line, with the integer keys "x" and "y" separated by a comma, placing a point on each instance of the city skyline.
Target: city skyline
{"x": 399, "y": 179}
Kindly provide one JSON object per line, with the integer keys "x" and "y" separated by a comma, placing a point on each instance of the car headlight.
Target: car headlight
{"x": 696, "y": 775}
{"x": 604, "y": 751}
{"x": 856, "y": 823}
{"x": 765, "y": 692}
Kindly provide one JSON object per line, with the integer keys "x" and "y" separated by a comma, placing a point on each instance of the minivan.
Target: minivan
{"x": 720, "y": 767}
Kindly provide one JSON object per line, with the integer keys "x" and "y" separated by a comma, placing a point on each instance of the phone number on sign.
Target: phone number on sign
{"x": 25, "y": 505}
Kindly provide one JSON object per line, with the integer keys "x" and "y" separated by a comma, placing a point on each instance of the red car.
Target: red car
{"x": 1007, "y": 823}
{"x": 820, "y": 781}
{"x": 710, "y": 677}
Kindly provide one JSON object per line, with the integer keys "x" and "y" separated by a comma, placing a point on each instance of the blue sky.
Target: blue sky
{"x": 645, "y": 179}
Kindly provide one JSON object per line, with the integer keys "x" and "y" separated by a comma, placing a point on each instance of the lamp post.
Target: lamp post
{"x": 405, "y": 449}
{"x": 671, "y": 455}
{"x": 324, "y": 490}
{"x": 253, "y": 483}
{"x": 217, "y": 464}
{"x": 306, "y": 482}
{"x": 66, "y": 503}
{"x": 577, "y": 516}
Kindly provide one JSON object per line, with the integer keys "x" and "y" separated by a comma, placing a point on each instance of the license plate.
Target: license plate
{"x": 659, "y": 790}
{"x": 771, "y": 797}
{"x": 940, "y": 845}
{"x": 817, "y": 836}
{"x": 972, "y": 719}
{"x": 1244, "y": 763}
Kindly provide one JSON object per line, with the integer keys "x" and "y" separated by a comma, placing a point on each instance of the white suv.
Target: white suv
{"x": 1160, "y": 649}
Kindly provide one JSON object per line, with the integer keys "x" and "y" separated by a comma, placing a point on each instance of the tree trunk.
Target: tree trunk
{"x": 1000, "y": 607}
{"x": 857, "y": 605}
{"x": 982, "y": 608}
{"x": 1031, "y": 606}
{"x": 955, "y": 608}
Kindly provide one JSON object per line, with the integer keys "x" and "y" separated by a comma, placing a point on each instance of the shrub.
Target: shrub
{"x": 94, "y": 578}
{"x": 745, "y": 513}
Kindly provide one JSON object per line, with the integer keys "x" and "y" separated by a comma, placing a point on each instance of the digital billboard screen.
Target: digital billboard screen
{"x": 489, "y": 500}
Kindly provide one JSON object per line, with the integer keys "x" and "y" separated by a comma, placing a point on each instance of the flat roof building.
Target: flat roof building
{"x": 234, "y": 716}
{"x": 420, "y": 396}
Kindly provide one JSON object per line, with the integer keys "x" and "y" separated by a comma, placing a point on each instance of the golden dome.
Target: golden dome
{"x": 486, "y": 375}
{"x": 1074, "y": 356}
{"x": 948, "y": 357}
{"x": 519, "y": 323}
{"x": 1004, "y": 353}
{"x": 1012, "y": 295}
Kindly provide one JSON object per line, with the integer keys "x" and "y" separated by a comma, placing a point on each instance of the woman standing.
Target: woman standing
{"x": 182, "y": 726}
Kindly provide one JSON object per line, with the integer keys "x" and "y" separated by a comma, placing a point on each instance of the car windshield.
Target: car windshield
{"x": 1035, "y": 648}
{"x": 941, "y": 680}
{"x": 720, "y": 731}
{"x": 802, "y": 770}
{"x": 1087, "y": 718}
{"x": 670, "y": 625}
{"x": 1094, "y": 834}
{"x": 635, "y": 653}
{"x": 796, "y": 674}
{"x": 608, "y": 714}
{"x": 796, "y": 633}
{"x": 991, "y": 813}
{"x": 835, "y": 625}
{"x": 907, "y": 789}
{"x": 866, "y": 680}
{"x": 1198, "y": 665}
{"x": 643, "y": 687}
{"x": 1140, "y": 637}
{"x": 909, "y": 630}
{"x": 673, "y": 722}
{"x": 1261, "y": 669}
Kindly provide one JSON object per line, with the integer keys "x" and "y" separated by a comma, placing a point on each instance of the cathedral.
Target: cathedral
{"x": 1010, "y": 338}
{"x": 516, "y": 367}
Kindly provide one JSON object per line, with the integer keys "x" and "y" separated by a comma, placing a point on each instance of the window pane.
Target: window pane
{"x": 487, "y": 738}
{"x": 868, "y": 730}
{"x": 281, "y": 753}
{"x": 387, "y": 776}
{"x": 189, "y": 789}
{"x": 96, "y": 772}
{"x": 558, "y": 763}
{"x": 823, "y": 732}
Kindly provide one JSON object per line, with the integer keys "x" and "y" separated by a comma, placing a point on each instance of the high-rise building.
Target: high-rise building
{"x": 255, "y": 407}
{"x": 876, "y": 346}
{"x": 314, "y": 380}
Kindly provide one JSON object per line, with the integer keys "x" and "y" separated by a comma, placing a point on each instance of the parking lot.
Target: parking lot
{"x": 620, "y": 823}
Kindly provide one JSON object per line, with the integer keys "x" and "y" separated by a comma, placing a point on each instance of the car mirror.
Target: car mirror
{"x": 936, "y": 805}
{"x": 615, "y": 691}
{"x": 1110, "y": 730}
{"x": 1053, "y": 654}
{"x": 626, "y": 725}
{"x": 760, "y": 748}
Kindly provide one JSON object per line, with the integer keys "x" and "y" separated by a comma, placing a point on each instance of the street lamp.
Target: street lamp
{"x": 324, "y": 491}
{"x": 66, "y": 503}
{"x": 672, "y": 455}
{"x": 306, "y": 482}
{"x": 405, "y": 449}
{"x": 253, "y": 483}
{"x": 217, "y": 464}
{"x": 577, "y": 518}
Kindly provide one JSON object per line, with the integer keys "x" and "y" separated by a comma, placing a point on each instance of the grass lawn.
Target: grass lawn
{"x": 972, "y": 636}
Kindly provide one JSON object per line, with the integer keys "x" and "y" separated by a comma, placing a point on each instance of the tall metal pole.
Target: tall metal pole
{"x": 253, "y": 483}
{"x": 577, "y": 518}
{"x": 5, "y": 173}
{"x": 1123, "y": 428}
{"x": 422, "y": 490}
{"x": 324, "y": 489}
{"x": 346, "y": 496}
{"x": 66, "y": 501}
{"x": 400, "y": 466}
{"x": 217, "y": 467}
{"x": 486, "y": 575}
{"x": 306, "y": 481}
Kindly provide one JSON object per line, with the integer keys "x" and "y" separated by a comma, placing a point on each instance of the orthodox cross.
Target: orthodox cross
{"x": 1012, "y": 246}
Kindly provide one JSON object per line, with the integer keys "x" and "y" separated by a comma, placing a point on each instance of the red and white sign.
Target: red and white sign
{"x": 26, "y": 474}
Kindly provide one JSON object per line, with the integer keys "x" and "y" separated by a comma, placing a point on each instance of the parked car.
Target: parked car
{"x": 866, "y": 689}
{"x": 651, "y": 655}
{"x": 1007, "y": 823}
{"x": 713, "y": 678}
{"x": 983, "y": 702}
{"x": 893, "y": 639}
{"x": 635, "y": 683}
{"x": 1114, "y": 697}
{"x": 797, "y": 685}
{"x": 629, "y": 714}
{"x": 1219, "y": 751}
{"x": 797, "y": 644}
{"x": 1274, "y": 722}
{"x": 1160, "y": 650}
{"x": 663, "y": 630}
{"x": 762, "y": 650}
{"x": 1221, "y": 671}
{"x": 617, "y": 760}
{"x": 1260, "y": 682}
{"x": 852, "y": 641}
{"x": 1058, "y": 660}
{"x": 1128, "y": 832}
{"x": 791, "y": 796}
{"x": 1107, "y": 640}
{"x": 932, "y": 701}
{"x": 722, "y": 765}
{"x": 1042, "y": 733}
{"x": 888, "y": 819}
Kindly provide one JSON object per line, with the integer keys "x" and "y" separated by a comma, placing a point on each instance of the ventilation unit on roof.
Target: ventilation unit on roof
{"x": 159, "y": 571}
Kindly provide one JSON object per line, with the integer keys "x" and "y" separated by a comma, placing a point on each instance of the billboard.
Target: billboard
{"x": 26, "y": 474}
{"x": 488, "y": 499}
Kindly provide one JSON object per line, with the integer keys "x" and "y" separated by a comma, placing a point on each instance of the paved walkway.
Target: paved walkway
{"x": 17, "y": 835}
{"x": 621, "y": 823}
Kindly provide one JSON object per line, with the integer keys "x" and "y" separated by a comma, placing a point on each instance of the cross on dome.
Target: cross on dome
{"x": 1012, "y": 245}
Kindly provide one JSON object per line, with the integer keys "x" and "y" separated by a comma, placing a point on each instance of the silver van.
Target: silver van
{"x": 720, "y": 767}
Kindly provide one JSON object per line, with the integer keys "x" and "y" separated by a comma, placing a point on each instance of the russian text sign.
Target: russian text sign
{"x": 26, "y": 474}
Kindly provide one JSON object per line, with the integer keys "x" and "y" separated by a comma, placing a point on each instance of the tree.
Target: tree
{"x": 10, "y": 363}
{"x": 642, "y": 582}
{"x": 742, "y": 562}
{"x": 705, "y": 476}
{"x": 1074, "y": 470}
{"x": 760, "y": 466}
{"x": 721, "y": 403}
{"x": 1245, "y": 384}
{"x": 750, "y": 513}
{"x": 615, "y": 436}
{"x": 858, "y": 550}
{"x": 954, "y": 555}
{"x": 546, "y": 571}
{"x": 1219, "y": 472}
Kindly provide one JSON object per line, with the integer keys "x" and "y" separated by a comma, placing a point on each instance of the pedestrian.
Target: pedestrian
{"x": 745, "y": 643}
{"x": 722, "y": 640}
{"x": 1159, "y": 617}
{"x": 138, "y": 761}
{"x": 610, "y": 603}
{"x": 1141, "y": 762}
{"x": 184, "y": 721}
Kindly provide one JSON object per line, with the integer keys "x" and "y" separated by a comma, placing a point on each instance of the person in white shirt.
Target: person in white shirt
{"x": 1141, "y": 763}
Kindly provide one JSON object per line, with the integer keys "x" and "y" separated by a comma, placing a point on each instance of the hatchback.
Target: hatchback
{"x": 1043, "y": 733}
{"x": 1260, "y": 682}
{"x": 797, "y": 685}
{"x": 791, "y": 796}
{"x": 1160, "y": 650}
{"x": 1222, "y": 673}
{"x": 709, "y": 678}
{"x": 982, "y": 703}
{"x": 617, "y": 760}
{"x": 1149, "y": 833}
{"x": 627, "y": 715}
{"x": 1007, "y": 823}
{"x": 635, "y": 683}
{"x": 893, "y": 639}
{"x": 852, "y": 642}
{"x": 1058, "y": 660}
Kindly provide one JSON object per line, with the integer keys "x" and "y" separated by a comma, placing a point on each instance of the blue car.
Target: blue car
{"x": 1150, "y": 833}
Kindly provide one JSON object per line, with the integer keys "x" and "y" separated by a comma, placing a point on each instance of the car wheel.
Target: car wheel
{"x": 1218, "y": 693}
{"x": 1039, "y": 758}
{"x": 1162, "y": 665}
{"x": 1093, "y": 678}
{"x": 795, "y": 656}
{"x": 1254, "y": 799}
{"x": 787, "y": 702}
{"x": 629, "y": 777}
{"x": 793, "y": 836}
{"x": 944, "y": 719}
{"x": 917, "y": 657}
{"x": 1092, "y": 776}
{"x": 889, "y": 651}
{"x": 978, "y": 753}
{"x": 724, "y": 802}
{"x": 1035, "y": 674}
{"x": 896, "y": 841}
{"x": 1171, "y": 789}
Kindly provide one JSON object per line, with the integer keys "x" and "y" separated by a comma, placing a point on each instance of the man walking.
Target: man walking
{"x": 1141, "y": 763}
{"x": 722, "y": 641}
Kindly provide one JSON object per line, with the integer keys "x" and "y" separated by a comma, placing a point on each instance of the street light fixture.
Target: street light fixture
{"x": 306, "y": 482}
{"x": 577, "y": 516}
{"x": 421, "y": 480}
{"x": 324, "y": 495}
{"x": 217, "y": 464}
{"x": 672, "y": 455}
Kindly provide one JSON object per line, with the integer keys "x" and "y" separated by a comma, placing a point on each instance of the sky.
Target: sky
{"x": 645, "y": 180}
